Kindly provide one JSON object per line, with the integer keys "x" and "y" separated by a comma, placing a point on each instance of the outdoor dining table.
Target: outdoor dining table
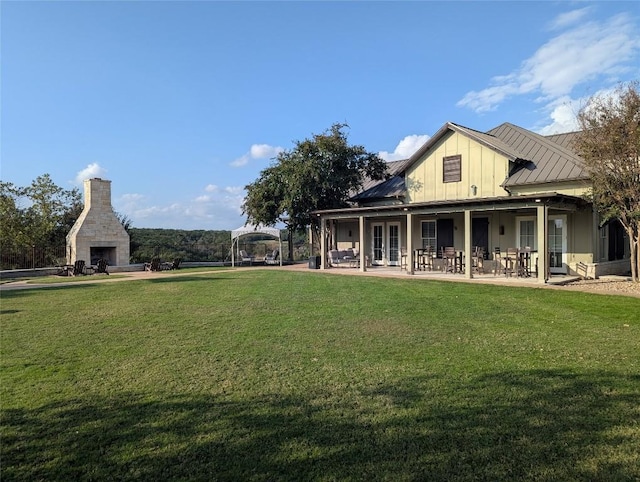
{"x": 423, "y": 258}
{"x": 524, "y": 262}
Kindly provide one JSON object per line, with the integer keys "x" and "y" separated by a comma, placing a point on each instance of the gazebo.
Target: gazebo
{"x": 252, "y": 229}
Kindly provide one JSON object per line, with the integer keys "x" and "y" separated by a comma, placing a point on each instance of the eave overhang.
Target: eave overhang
{"x": 552, "y": 200}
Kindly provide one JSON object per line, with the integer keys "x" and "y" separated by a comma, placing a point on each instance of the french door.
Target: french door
{"x": 378, "y": 244}
{"x": 386, "y": 244}
{"x": 557, "y": 239}
{"x": 393, "y": 242}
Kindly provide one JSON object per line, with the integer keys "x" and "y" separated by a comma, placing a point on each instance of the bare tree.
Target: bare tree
{"x": 609, "y": 144}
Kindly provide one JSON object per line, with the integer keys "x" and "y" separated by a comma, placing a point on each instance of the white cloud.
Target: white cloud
{"x": 240, "y": 161}
{"x": 89, "y": 172}
{"x": 256, "y": 151}
{"x": 405, "y": 148}
{"x": 588, "y": 52}
{"x": 563, "y": 115}
{"x": 264, "y": 151}
{"x": 565, "y": 19}
{"x": 217, "y": 208}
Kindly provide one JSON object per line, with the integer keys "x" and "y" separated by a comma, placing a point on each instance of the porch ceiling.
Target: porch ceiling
{"x": 554, "y": 201}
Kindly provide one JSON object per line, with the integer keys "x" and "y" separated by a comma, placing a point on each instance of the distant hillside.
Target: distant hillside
{"x": 199, "y": 245}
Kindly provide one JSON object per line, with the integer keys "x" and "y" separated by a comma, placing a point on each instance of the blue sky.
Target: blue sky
{"x": 182, "y": 104}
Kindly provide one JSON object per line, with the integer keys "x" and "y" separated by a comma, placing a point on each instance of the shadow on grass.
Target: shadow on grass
{"x": 538, "y": 425}
{"x": 182, "y": 278}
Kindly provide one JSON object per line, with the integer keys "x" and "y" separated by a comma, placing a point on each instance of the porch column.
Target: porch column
{"x": 409, "y": 243}
{"x": 543, "y": 255}
{"x": 323, "y": 243}
{"x": 363, "y": 251}
{"x": 467, "y": 244}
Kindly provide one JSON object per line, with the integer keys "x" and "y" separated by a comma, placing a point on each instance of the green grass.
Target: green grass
{"x": 266, "y": 375}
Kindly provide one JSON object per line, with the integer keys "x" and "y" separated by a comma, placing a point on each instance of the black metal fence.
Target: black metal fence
{"x": 31, "y": 257}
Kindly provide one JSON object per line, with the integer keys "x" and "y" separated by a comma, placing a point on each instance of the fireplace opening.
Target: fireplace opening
{"x": 108, "y": 253}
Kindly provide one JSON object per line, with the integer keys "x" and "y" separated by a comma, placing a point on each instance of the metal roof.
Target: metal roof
{"x": 540, "y": 159}
{"x": 537, "y": 159}
{"x": 391, "y": 187}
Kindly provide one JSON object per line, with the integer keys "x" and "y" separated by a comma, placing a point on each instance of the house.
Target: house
{"x": 504, "y": 188}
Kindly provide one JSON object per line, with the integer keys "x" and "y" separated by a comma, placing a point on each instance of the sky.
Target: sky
{"x": 181, "y": 104}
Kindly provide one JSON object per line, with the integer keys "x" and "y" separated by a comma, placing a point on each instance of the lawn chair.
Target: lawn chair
{"x": 78, "y": 268}
{"x": 272, "y": 258}
{"x": 101, "y": 267}
{"x": 154, "y": 265}
{"x": 175, "y": 264}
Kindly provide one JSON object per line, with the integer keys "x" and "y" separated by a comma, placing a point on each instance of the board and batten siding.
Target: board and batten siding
{"x": 481, "y": 167}
{"x": 575, "y": 188}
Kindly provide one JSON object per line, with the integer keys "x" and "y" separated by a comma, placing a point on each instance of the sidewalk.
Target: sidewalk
{"x": 608, "y": 285}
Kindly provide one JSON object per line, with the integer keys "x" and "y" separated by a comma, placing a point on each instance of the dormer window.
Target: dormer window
{"x": 452, "y": 168}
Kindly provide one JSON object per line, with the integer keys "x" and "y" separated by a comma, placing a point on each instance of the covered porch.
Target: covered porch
{"x": 558, "y": 231}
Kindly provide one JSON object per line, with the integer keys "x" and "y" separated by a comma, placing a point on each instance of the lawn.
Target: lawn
{"x": 268, "y": 375}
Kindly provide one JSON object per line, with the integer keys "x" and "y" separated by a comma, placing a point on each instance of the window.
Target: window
{"x": 452, "y": 168}
{"x": 429, "y": 234}
{"x": 526, "y": 232}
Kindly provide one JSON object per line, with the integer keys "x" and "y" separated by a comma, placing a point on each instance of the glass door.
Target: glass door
{"x": 378, "y": 244}
{"x": 557, "y": 239}
{"x": 393, "y": 243}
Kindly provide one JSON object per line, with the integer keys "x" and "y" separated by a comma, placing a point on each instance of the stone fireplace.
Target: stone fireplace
{"x": 97, "y": 233}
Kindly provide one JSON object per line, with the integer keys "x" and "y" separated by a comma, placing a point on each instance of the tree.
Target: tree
{"x": 318, "y": 173}
{"x": 609, "y": 144}
{"x": 37, "y": 215}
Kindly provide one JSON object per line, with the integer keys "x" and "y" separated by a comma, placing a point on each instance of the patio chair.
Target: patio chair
{"x": 154, "y": 265}
{"x": 497, "y": 261}
{"x": 478, "y": 259}
{"x": 272, "y": 258}
{"x": 424, "y": 258}
{"x": 245, "y": 257}
{"x": 524, "y": 262}
{"x": 449, "y": 259}
{"x": 101, "y": 267}
{"x": 511, "y": 262}
{"x": 175, "y": 264}
{"x": 78, "y": 268}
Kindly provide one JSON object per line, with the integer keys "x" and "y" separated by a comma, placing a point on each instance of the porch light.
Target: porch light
{"x": 474, "y": 189}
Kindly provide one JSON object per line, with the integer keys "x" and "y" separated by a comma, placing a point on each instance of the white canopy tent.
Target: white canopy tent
{"x": 252, "y": 229}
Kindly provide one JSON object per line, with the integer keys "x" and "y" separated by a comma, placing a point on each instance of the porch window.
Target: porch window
{"x": 526, "y": 232}
{"x": 452, "y": 168}
{"x": 429, "y": 234}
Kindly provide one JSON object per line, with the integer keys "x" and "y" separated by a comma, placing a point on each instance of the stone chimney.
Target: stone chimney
{"x": 97, "y": 233}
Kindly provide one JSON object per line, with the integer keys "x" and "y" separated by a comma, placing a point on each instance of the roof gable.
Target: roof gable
{"x": 536, "y": 159}
{"x": 539, "y": 159}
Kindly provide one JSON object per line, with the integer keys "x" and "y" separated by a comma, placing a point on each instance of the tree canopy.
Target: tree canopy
{"x": 609, "y": 144}
{"x": 40, "y": 214}
{"x": 318, "y": 173}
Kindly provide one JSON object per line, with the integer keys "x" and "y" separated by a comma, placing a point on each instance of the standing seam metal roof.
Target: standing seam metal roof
{"x": 537, "y": 159}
